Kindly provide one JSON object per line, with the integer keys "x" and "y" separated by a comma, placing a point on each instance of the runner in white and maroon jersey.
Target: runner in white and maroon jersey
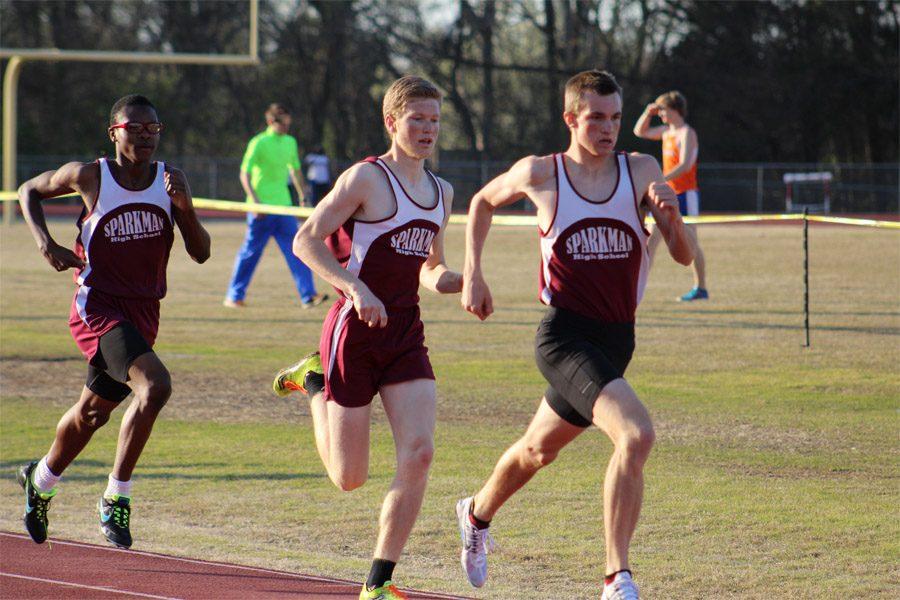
{"x": 125, "y": 234}
{"x": 591, "y": 202}
{"x": 376, "y": 236}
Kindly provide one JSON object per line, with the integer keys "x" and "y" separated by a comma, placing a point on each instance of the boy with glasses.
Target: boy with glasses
{"x": 126, "y": 231}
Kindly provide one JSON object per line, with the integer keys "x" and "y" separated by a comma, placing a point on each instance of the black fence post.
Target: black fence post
{"x": 806, "y": 275}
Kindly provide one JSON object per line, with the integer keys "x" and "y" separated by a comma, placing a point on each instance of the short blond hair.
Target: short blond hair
{"x": 673, "y": 100}
{"x": 404, "y": 90}
{"x": 601, "y": 83}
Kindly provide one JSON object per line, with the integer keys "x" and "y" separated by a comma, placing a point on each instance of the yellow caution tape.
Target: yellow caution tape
{"x": 267, "y": 209}
{"x": 520, "y": 220}
{"x": 863, "y": 222}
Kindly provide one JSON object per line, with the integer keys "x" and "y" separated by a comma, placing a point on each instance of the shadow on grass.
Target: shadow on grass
{"x": 17, "y": 462}
{"x": 50, "y": 359}
{"x": 704, "y": 310}
{"x": 147, "y": 473}
{"x": 537, "y": 310}
{"x": 683, "y": 322}
{"x": 316, "y": 319}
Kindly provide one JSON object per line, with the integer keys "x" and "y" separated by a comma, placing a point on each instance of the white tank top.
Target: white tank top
{"x": 387, "y": 255}
{"x": 594, "y": 257}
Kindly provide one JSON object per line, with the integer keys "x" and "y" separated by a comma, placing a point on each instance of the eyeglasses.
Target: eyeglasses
{"x": 136, "y": 128}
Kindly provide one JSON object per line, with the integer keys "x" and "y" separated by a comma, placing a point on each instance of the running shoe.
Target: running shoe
{"x": 294, "y": 377}
{"x": 36, "y": 504}
{"x": 388, "y": 591}
{"x": 315, "y": 301}
{"x": 621, "y": 588}
{"x": 114, "y": 515}
{"x": 476, "y": 543}
{"x": 697, "y": 293}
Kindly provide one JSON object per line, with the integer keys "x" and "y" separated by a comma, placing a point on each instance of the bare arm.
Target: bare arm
{"x": 252, "y": 198}
{"x": 501, "y": 191}
{"x": 196, "y": 238}
{"x": 662, "y": 202}
{"x": 688, "y": 154}
{"x": 346, "y": 199}
{"x": 71, "y": 177}
{"x": 642, "y": 128}
{"x": 435, "y": 275}
{"x": 297, "y": 180}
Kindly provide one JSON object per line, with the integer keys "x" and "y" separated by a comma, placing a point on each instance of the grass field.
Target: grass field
{"x": 775, "y": 473}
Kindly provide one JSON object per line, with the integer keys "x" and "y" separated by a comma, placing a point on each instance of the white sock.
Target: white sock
{"x": 117, "y": 488}
{"x": 43, "y": 478}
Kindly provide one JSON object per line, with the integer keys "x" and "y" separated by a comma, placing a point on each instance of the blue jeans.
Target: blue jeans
{"x": 259, "y": 230}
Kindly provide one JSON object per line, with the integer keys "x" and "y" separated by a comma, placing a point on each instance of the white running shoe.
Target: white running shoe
{"x": 476, "y": 545}
{"x": 621, "y": 588}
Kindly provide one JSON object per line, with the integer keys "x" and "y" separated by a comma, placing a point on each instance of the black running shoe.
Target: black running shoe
{"x": 36, "y": 504}
{"x": 114, "y": 515}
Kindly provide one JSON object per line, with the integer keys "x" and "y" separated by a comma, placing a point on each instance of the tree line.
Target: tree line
{"x": 769, "y": 80}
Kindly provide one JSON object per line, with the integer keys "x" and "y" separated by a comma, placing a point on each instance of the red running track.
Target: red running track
{"x": 78, "y": 570}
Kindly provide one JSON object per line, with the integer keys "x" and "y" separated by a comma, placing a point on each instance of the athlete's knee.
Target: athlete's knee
{"x": 91, "y": 417}
{"x": 348, "y": 480}
{"x": 155, "y": 394}
{"x": 537, "y": 455}
{"x": 416, "y": 457}
{"x": 637, "y": 440}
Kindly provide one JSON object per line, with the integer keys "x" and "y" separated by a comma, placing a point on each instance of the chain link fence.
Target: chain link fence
{"x": 724, "y": 187}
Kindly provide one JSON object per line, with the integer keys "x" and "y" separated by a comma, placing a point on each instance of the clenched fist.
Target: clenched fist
{"x": 177, "y": 188}
{"x": 664, "y": 197}
{"x": 61, "y": 258}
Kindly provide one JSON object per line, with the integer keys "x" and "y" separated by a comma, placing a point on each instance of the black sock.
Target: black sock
{"x": 314, "y": 383}
{"x": 382, "y": 571}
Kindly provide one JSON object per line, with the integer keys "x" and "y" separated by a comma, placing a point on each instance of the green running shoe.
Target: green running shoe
{"x": 36, "y": 504}
{"x": 294, "y": 377}
{"x": 115, "y": 513}
{"x": 388, "y": 591}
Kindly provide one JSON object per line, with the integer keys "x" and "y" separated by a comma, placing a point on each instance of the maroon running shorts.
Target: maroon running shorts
{"x": 95, "y": 313}
{"x": 359, "y": 359}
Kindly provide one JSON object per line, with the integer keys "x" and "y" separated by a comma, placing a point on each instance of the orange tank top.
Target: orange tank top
{"x": 671, "y": 157}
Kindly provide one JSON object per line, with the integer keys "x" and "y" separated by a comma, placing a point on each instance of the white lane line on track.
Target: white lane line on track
{"x": 189, "y": 560}
{"x": 437, "y": 596}
{"x": 87, "y": 587}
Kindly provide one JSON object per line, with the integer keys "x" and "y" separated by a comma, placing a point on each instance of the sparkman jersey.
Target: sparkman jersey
{"x": 125, "y": 240}
{"x": 387, "y": 255}
{"x": 594, "y": 257}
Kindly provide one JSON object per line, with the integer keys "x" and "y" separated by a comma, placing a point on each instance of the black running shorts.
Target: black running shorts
{"x": 117, "y": 349}
{"x": 578, "y": 356}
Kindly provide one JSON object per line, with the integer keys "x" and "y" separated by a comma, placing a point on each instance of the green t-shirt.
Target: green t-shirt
{"x": 267, "y": 159}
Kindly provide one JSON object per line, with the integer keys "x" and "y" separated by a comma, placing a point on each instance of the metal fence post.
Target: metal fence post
{"x": 759, "y": 189}
{"x": 213, "y": 178}
{"x": 483, "y": 170}
{"x": 806, "y": 274}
